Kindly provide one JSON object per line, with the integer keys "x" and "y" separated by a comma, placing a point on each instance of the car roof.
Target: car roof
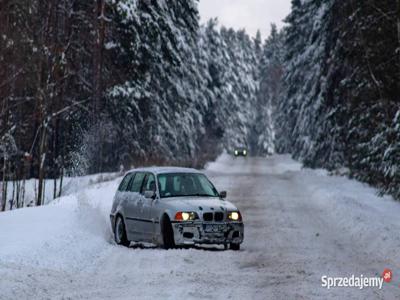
{"x": 164, "y": 170}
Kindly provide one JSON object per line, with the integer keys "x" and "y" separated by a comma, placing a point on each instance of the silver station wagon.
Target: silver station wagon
{"x": 174, "y": 207}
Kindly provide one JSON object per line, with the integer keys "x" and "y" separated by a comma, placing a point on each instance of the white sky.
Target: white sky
{"x": 248, "y": 14}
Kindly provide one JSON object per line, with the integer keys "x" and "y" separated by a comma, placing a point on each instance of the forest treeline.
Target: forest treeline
{"x": 337, "y": 96}
{"x": 95, "y": 86}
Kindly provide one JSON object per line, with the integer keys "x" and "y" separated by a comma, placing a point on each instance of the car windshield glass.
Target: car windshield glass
{"x": 185, "y": 185}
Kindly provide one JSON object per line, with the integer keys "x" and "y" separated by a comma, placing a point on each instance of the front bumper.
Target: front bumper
{"x": 198, "y": 232}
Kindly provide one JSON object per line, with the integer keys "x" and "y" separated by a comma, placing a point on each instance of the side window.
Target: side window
{"x": 136, "y": 183}
{"x": 150, "y": 183}
{"x": 124, "y": 184}
{"x": 162, "y": 184}
{"x": 128, "y": 188}
{"x": 165, "y": 185}
{"x": 177, "y": 184}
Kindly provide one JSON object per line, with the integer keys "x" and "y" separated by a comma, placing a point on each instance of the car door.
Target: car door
{"x": 132, "y": 208}
{"x": 121, "y": 192}
{"x": 145, "y": 207}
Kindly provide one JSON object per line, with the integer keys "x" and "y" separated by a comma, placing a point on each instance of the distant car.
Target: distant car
{"x": 174, "y": 207}
{"x": 240, "y": 152}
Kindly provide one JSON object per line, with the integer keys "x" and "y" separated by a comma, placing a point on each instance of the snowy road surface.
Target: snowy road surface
{"x": 299, "y": 226}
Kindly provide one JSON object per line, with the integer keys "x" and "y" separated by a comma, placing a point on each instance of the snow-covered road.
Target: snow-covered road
{"x": 299, "y": 225}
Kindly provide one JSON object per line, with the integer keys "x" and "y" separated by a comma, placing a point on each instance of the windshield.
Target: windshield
{"x": 185, "y": 185}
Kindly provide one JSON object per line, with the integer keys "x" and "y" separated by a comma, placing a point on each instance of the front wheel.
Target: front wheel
{"x": 235, "y": 247}
{"x": 120, "y": 233}
{"x": 167, "y": 234}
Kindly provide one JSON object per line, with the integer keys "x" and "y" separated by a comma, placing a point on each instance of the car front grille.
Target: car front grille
{"x": 217, "y": 217}
{"x": 208, "y": 216}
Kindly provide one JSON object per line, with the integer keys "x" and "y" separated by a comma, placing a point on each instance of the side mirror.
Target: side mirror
{"x": 222, "y": 194}
{"x": 150, "y": 194}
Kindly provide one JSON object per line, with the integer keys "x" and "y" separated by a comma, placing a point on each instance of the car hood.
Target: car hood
{"x": 194, "y": 203}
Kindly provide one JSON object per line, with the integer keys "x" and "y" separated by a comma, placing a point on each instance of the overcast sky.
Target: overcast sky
{"x": 248, "y": 14}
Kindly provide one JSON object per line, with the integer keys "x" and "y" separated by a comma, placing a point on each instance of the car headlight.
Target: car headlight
{"x": 186, "y": 216}
{"x": 244, "y": 152}
{"x": 236, "y": 152}
{"x": 234, "y": 216}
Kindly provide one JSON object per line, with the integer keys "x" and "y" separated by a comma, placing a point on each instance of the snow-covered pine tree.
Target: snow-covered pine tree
{"x": 270, "y": 78}
{"x": 232, "y": 83}
{"x": 340, "y": 101}
{"x": 366, "y": 89}
{"x": 131, "y": 82}
{"x": 155, "y": 43}
{"x": 214, "y": 53}
{"x": 302, "y": 107}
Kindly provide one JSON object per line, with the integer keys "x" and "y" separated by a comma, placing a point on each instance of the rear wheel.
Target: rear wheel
{"x": 235, "y": 247}
{"x": 167, "y": 234}
{"x": 120, "y": 233}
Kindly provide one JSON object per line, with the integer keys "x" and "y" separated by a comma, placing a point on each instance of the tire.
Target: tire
{"x": 120, "y": 232}
{"x": 235, "y": 247}
{"x": 167, "y": 234}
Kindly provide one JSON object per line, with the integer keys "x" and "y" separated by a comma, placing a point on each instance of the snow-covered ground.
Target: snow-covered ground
{"x": 299, "y": 225}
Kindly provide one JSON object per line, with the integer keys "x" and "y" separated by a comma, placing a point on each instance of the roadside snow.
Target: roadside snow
{"x": 71, "y": 185}
{"x": 299, "y": 225}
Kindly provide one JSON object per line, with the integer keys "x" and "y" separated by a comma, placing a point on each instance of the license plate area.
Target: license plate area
{"x": 213, "y": 228}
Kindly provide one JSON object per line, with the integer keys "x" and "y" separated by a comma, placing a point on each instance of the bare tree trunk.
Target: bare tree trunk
{"x": 4, "y": 93}
{"x": 17, "y": 196}
{"x": 1, "y": 196}
{"x": 22, "y": 187}
{"x": 100, "y": 27}
{"x": 4, "y": 189}
{"x": 36, "y": 192}
{"x": 23, "y": 192}
{"x": 43, "y": 82}
{"x": 42, "y": 159}
{"x": 398, "y": 35}
{"x": 61, "y": 182}
{"x": 13, "y": 194}
{"x": 44, "y": 192}
{"x": 55, "y": 188}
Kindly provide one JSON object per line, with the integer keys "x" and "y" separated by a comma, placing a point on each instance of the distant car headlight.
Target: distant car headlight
{"x": 236, "y": 152}
{"x": 186, "y": 216}
{"x": 244, "y": 152}
{"x": 234, "y": 216}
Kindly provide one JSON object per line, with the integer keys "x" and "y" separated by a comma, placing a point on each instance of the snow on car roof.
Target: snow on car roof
{"x": 163, "y": 170}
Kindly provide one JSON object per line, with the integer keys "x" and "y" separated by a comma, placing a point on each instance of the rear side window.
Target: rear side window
{"x": 149, "y": 184}
{"x": 162, "y": 183}
{"x": 136, "y": 183}
{"x": 124, "y": 184}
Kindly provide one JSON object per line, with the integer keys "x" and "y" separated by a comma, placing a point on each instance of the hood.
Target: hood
{"x": 194, "y": 203}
